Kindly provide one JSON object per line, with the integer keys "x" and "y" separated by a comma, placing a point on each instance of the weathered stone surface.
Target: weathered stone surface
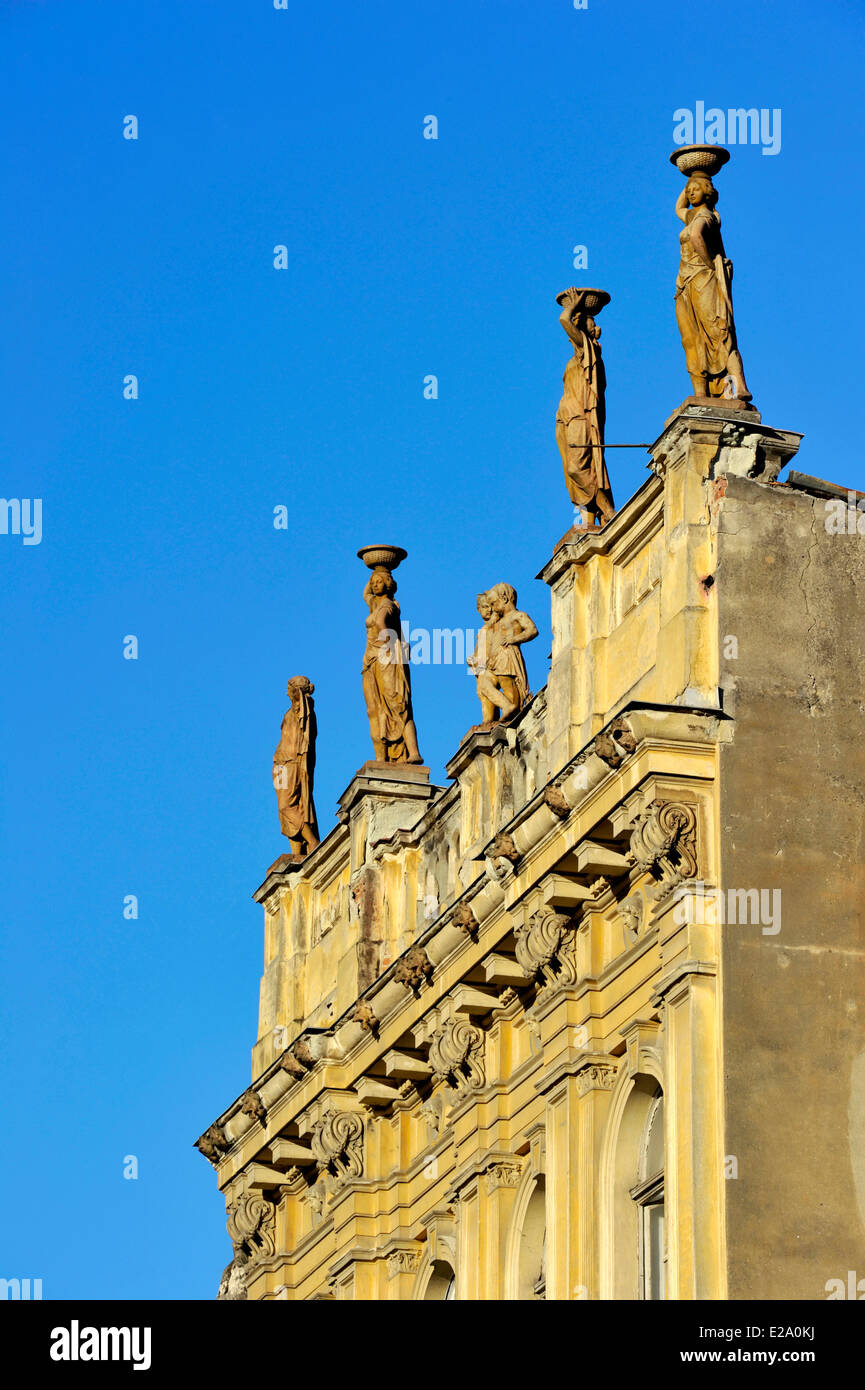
{"x": 792, "y": 789}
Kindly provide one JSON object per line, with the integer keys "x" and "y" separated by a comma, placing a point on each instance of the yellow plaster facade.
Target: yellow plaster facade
{"x": 491, "y": 1051}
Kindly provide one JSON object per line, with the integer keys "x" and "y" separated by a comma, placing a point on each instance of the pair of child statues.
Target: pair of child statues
{"x": 497, "y": 664}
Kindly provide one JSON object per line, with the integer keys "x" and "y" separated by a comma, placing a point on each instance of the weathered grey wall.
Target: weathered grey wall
{"x": 793, "y": 817}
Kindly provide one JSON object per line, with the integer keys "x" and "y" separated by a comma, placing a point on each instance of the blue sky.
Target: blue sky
{"x": 304, "y": 387}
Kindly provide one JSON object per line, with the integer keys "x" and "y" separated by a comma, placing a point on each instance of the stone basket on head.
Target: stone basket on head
{"x": 385, "y": 557}
{"x": 699, "y": 159}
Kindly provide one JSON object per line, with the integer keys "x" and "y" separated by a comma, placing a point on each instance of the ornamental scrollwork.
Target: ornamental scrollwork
{"x": 664, "y": 841}
{"x": 251, "y": 1226}
{"x": 456, "y": 1054}
{"x": 545, "y": 947}
{"x": 337, "y": 1144}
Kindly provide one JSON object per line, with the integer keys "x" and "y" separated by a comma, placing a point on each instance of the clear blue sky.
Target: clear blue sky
{"x": 259, "y": 387}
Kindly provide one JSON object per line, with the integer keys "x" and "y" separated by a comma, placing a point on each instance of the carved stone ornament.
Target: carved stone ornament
{"x": 253, "y": 1106}
{"x": 289, "y": 1063}
{"x": 434, "y": 1118}
{"x": 545, "y": 947}
{"x": 465, "y": 919}
{"x": 664, "y": 841}
{"x": 213, "y": 1144}
{"x": 364, "y": 1014}
{"x": 315, "y": 1198}
{"x": 622, "y": 732}
{"x": 337, "y": 1144}
{"x": 251, "y": 1225}
{"x": 403, "y": 1262}
{"x": 600, "y": 1076}
{"x": 616, "y": 744}
{"x": 456, "y": 1054}
{"x": 302, "y": 1053}
{"x": 632, "y": 912}
{"x": 414, "y": 967}
{"x": 503, "y": 847}
{"x": 554, "y": 797}
{"x": 503, "y": 1175}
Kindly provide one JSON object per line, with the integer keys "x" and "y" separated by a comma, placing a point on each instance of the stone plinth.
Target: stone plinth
{"x": 395, "y": 782}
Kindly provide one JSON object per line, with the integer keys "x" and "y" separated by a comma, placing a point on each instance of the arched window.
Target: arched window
{"x": 533, "y": 1245}
{"x": 442, "y": 1282}
{"x": 648, "y": 1194}
{"x": 633, "y": 1252}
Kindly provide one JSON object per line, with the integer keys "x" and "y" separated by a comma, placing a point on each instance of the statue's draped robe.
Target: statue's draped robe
{"x": 292, "y": 771}
{"x": 508, "y": 660}
{"x": 580, "y": 424}
{"x": 704, "y": 304}
{"x": 386, "y": 679}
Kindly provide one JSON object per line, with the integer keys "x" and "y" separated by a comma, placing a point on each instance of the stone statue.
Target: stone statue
{"x": 479, "y": 660}
{"x": 386, "y": 672}
{"x": 704, "y": 297}
{"x": 293, "y": 765}
{"x": 582, "y": 409}
{"x": 497, "y": 662}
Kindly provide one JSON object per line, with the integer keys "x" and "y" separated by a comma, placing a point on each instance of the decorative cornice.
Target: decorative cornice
{"x": 665, "y": 725}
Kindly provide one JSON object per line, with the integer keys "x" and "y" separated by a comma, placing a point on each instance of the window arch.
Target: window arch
{"x": 525, "y": 1269}
{"x": 648, "y": 1195}
{"x": 441, "y": 1284}
{"x": 634, "y": 1248}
